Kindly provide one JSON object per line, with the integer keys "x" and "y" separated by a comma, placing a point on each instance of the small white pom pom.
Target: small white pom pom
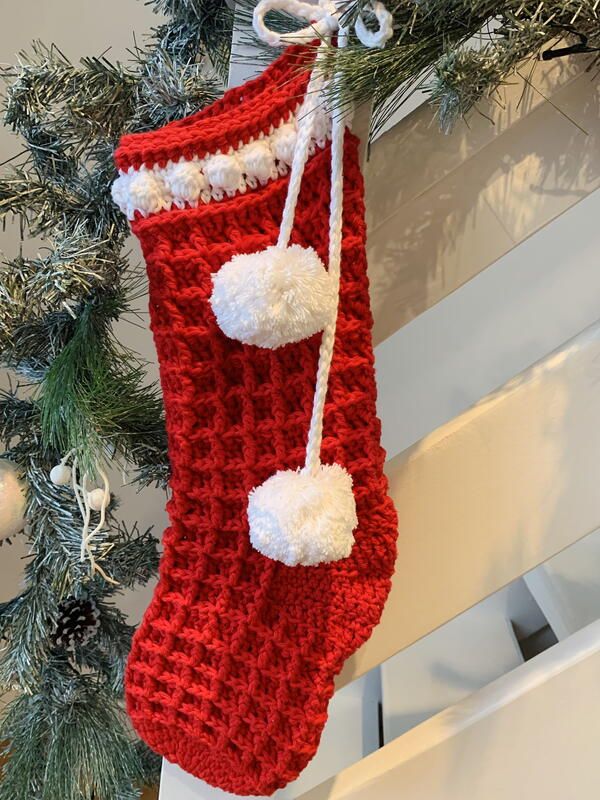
{"x": 120, "y": 191}
{"x": 284, "y": 142}
{"x": 258, "y": 161}
{"x": 147, "y": 192}
{"x": 298, "y": 518}
{"x": 224, "y": 172}
{"x": 274, "y": 297}
{"x": 186, "y": 181}
{"x": 60, "y": 475}
{"x": 95, "y": 499}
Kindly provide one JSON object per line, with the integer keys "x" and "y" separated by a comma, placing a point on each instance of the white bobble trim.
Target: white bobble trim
{"x": 187, "y": 182}
{"x": 258, "y": 162}
{"x": 321, "y": 127}
{"x": 120, "y": 192}
{"x": 303, "y": 518}
{"x": 148, "y": 193}
{"x": 284, "y": 142}
{"x": 224, "y": 173}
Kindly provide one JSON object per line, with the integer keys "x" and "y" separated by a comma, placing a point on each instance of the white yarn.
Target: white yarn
{"x": 258, "y": 162}
{"x": 186, "y": 182}
{"x": 298, "y": 518}
{"x": 321, "y": 130}
{"x": 321, "y": 15}
{"x": 324, "y": 18}
{"x": 120, "y": 193}
{"x": 283, "y": 142}
{"x": 384, "y": 32}
{"x": 282, "y": 294}
{"x": 308, "y": 517}
{"x": 224, "y": 172}
{"x": 273, "y": 297}
{"x": 147, "y": 192}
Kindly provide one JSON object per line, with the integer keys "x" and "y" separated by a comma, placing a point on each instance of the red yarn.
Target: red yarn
{"x": 233, "y": 666}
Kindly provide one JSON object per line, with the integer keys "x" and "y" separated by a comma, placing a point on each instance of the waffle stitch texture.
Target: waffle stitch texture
{"x": 233, "y": 666}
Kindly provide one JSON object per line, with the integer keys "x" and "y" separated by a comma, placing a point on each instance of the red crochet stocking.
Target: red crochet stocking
{"x": 232, "y": 669}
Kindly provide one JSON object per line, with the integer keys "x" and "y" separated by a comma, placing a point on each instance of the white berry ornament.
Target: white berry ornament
{"x": 98, "y": 499}
{"x": 12, "y": 500}
{"x": 274, "y": 297}
{"x": 61, "y": 474}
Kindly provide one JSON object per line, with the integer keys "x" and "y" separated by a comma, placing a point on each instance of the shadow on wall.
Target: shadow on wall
{"x": 436, "y": 218}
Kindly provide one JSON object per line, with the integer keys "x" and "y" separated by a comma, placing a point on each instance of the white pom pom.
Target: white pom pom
{"x": 224, "y": 173}
{"x": 305, "y": 519}
{"x": 147, "y": 192}
{"x": 186, "y": 181}
{"x": 274, "y": 297}
{"x": 284, "y": 142}
{"x": 60, "y": 475}
{"x": 258, "y": 161}
{"x": 95, "y": 499}
{"x": 120, "y": 192}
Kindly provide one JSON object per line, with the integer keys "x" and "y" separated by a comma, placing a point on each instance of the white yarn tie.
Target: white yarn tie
{"x": 303, "y": 140}
{"x": 336, "y": 207}
{"x": 308, "y": 516}
{"x": 82, "y": 497}
{"x": 324, "y": 18}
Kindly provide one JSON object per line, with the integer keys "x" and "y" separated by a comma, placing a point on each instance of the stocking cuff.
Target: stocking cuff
{"x": 216, "y": 153}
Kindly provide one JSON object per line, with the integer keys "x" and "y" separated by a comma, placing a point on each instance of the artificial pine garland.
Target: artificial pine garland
{"x": 433, "y": 49}
{"x": 65, "y": 731}
{"x": 64, "y": 641}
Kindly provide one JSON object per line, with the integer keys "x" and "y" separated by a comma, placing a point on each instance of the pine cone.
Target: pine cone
{"x": 78, "y": 622}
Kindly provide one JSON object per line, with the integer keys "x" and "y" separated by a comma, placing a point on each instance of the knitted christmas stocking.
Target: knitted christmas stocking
{"x": 233, "y": 666}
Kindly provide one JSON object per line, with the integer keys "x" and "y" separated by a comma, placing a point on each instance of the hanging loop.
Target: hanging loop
{"x": 324, "y": 21}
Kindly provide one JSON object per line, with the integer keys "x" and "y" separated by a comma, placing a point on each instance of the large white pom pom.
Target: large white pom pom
{"x": 274, "y": 297}
{"x": 298, "y": 518}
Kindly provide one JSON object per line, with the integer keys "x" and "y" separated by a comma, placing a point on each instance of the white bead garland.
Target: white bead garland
{"x": 96, "y": 499}
{"x": 61, "y": 475}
